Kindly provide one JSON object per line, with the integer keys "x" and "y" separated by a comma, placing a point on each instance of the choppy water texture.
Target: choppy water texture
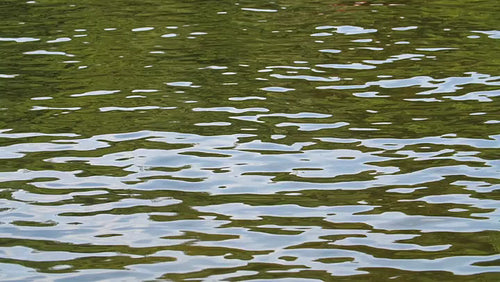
{"x": 251, "y": 140}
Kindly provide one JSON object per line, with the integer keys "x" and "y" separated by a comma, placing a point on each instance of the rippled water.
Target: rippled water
{"x": 251, "y": 140}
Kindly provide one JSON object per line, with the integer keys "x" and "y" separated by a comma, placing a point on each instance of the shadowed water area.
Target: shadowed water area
{"x": 253, "y": 140}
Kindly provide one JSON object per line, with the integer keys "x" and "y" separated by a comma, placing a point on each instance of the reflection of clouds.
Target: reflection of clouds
{"x": 400, "y": 221}
{"x": 494, "y": 34}
{"x": 439, "y": 86}
{"x": 264, "y": 232}
{"x": 347, "y": 29}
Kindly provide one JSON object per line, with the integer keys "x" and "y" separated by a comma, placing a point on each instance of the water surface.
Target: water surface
{"x": 252, "y": 140}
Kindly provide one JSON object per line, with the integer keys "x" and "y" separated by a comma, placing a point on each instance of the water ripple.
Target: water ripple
{"x": 225, "y": 141}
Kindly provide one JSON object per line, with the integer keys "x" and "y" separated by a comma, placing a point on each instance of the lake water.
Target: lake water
{"x": 252, "y": 140}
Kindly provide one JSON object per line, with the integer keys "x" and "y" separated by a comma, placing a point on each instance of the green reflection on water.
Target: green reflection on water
{"x": 253, "y": 126}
